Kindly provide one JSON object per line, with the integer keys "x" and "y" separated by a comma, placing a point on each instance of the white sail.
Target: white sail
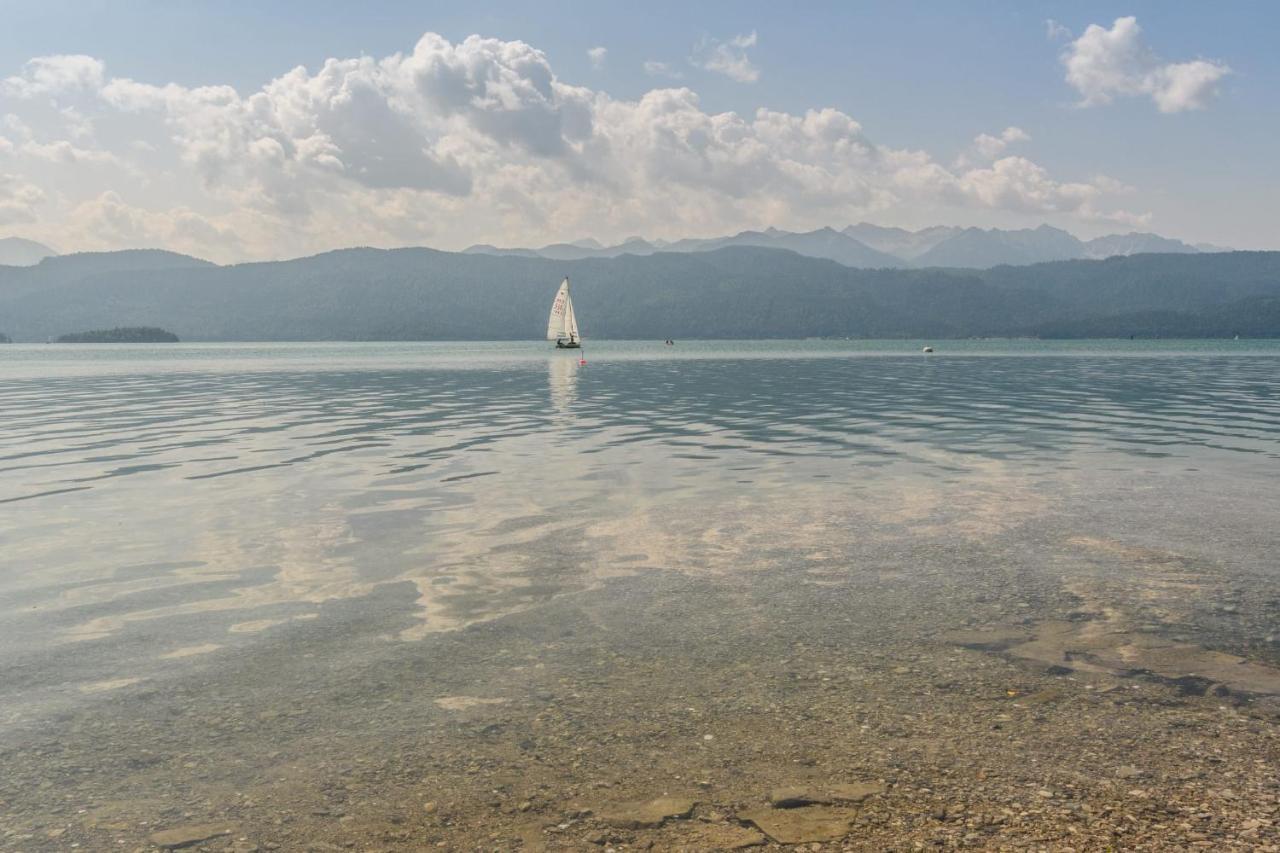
{"x": 562, "y": 324}
{"x": 560, "y": 308}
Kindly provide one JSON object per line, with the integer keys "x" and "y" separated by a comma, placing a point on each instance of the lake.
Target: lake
{"x": 478, "y": 595}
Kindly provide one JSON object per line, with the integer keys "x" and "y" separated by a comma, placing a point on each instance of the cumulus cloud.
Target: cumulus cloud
{"x": 992, "y": 146}
{"x": 18, "y": 200}
{"x": 64, "y": 152}
{"x": 986, "y": 147}
{"x": 451, "y": 144}
{"x": 46, "y": 75}
{"x": 107, "y": 221}
{"x": 727, "y": 57}
{"x": 597, "y": 56}
{"x": 1103, "y": 64}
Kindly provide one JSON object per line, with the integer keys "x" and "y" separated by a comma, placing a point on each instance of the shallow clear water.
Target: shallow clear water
{"x": 161, "y": 505}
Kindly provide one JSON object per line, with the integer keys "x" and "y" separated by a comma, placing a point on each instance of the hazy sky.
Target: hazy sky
{"x": 237, "y": 130}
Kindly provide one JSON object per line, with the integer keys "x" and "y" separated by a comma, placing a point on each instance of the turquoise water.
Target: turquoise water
{"x": 164, "y": 506}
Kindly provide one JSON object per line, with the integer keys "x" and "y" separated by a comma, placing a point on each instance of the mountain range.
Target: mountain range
{"x": 863, "y": 246}
{"x": 731, "y": 292}
{"x": 868, "y": 246}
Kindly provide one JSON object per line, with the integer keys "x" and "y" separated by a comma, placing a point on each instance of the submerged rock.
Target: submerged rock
{"x": 647, "y": 815}
{"x": 187, "y": 836}
{"x": 802, "y": 825}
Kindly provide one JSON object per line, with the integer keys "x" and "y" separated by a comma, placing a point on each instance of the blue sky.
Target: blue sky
{"x": 1161, "y": 144}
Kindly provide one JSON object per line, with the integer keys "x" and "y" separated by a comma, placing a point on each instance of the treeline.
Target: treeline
{"x": 121, "y": 335}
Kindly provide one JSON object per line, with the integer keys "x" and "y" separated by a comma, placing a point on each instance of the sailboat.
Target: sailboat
{"x": 562, "y": 325}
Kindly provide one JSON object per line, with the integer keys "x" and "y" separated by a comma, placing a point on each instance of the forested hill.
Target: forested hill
{"x": 741, "y": 292}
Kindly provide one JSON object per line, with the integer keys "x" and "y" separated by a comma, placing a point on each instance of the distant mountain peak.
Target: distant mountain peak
{"x": 20, "y": 252}
{"x": 1136, "y": 243}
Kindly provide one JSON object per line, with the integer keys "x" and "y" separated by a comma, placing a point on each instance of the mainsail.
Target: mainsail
{"x": 562, "y": 324}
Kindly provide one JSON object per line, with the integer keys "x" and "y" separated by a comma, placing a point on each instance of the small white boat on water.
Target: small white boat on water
{"x": 562, "y": 325}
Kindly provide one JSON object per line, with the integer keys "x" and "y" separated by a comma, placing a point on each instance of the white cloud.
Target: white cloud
{"x": 727, "y": 57}
{"x": 986, "y": 148}
{"x": 597, "y": 56}
{"x": 990, "y": 147}
{"x": 1103, "y": 64}
{"x": 107, "y": 221}
{"x": 455, "y": 143}
{"x": 18, "y": 200}
{"x": 46, "y": 75}
{"x": 654, "y": 68}
{"x": 64, "y": 152}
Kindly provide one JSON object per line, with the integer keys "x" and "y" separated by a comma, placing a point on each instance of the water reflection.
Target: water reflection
{"x": 562, "y": 379}
{"x": 186, "y": 512}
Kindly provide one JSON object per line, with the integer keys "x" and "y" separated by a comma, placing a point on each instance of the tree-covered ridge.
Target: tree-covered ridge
{"x": 121, "y": 335}
{"x": 739, "y": 292}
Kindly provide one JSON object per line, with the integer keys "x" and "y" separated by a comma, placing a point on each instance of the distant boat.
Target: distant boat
{"x": 562, "y": 325}
{"x": 927, "y": 349}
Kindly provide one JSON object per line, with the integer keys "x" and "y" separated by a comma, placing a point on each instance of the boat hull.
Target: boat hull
{"x": 568, "y": 345}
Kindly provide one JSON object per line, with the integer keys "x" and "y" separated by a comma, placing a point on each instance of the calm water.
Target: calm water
{"x": 163, "y": 507}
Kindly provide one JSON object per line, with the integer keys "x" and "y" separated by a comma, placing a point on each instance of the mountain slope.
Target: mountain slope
{"x": 61, "y": 270}
{"x": 422, "y": 294}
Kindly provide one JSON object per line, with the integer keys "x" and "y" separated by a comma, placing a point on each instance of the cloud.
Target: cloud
{"x": 18, "y": 200}
{"x": 66, "y": 153}
{"x": 727, "y": 57}
{"x": 986, "y": 148}
{"x": 450, "y": 144}
{"x": 1103, "y": 64}
{"x": 597, "y": 56}
{"x": 46, "y": 75}
{"x": 1055, "y": 30}
{"x": 660, "y": 69}
{"x": 107, "y": 221}
{"x": 991, "y": 147}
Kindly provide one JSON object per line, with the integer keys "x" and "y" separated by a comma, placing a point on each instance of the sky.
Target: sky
{"x": 250, "y": 131}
